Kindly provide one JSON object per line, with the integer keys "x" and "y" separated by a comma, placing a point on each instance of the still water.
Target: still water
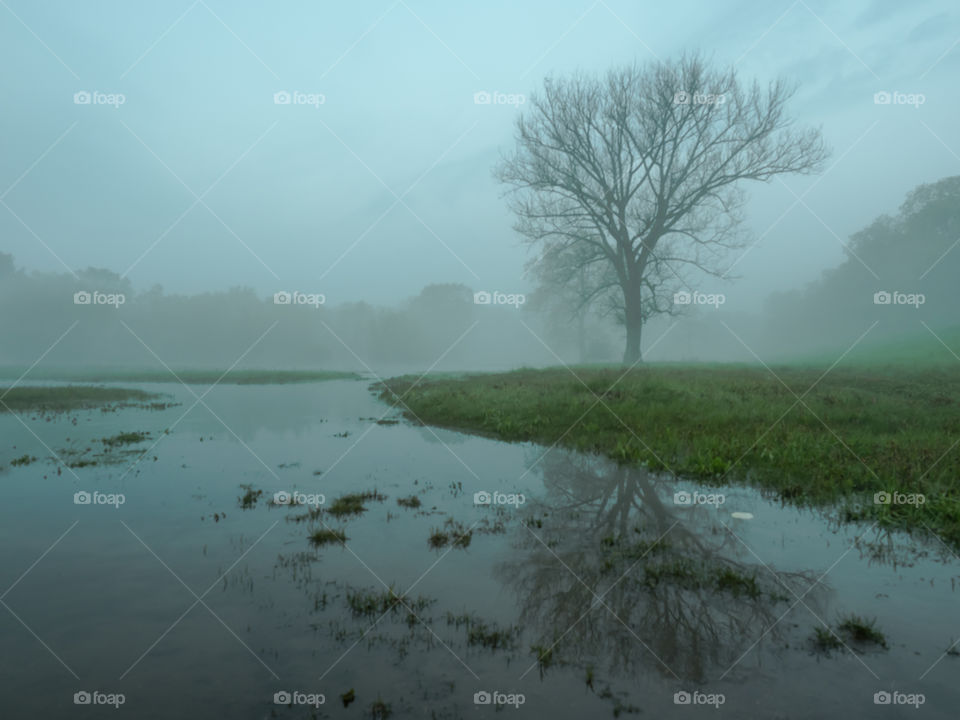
{"x": 582, "y": 589}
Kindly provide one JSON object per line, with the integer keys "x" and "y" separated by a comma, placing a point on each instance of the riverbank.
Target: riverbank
{"x": 852, "y": 438}
{"x": 188, "y": 376}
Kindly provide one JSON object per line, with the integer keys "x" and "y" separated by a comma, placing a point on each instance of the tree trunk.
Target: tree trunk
{"x": 633, "y": 317}
{"x": 582, "y": 337}
{"x": 631, "y": 354}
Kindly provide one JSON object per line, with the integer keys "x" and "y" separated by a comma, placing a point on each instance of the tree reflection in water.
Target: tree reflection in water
{"x": 611, "y": 575}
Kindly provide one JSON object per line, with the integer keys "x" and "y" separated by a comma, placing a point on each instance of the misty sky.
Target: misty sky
{"x": 386, "y": 186}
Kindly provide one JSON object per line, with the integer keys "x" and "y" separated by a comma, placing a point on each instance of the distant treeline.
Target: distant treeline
{"x": 900, "y": 273}
{"x": 104, "y": 321}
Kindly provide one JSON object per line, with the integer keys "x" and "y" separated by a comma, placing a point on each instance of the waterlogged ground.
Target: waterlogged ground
{"x": 158, "y": 571}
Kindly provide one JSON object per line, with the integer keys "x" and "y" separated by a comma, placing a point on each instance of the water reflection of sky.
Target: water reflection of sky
{"x": 117, "y": 596}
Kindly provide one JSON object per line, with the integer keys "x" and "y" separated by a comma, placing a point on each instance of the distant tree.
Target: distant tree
{"x": 569, "y": 288}
{"x": 638, "y": 174}
{"x": 7, "y": 268}
{"x": 914, "y": 251}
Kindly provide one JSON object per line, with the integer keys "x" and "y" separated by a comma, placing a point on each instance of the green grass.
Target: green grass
{"x": 857, "y": 432}
{"x": 853, "y": 630}
{"x": 921, "y": 349}
{"x": 250, "y": 497}
{"x": 377, "y": 602}
{"x": 409, "y": 502}
{"x": 71, "y": 397}
{"x": 125, "y": 438}
{"x": 452, "y": 533}
{"x": 862, "y": 631}
{"x": 325, "y": 536}
{"x": 353, "y": 503}
{"x": 200, "y": 377}
{"x": 380, "y": 710}
{"x": 491, "y": 636}
{"x": 824, "y": 640}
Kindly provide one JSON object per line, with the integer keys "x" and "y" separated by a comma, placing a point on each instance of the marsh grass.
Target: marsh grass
{"x": 452, "y": 533}
{"x": 889, "y": 428}
{"x": 824, "y": 640}
{"x": 491, "y": 636}
{"x": 74, "y": 397}
{"x": 862, "y": 630}
{"x": 325, "y": 536}
{"x": 250, "y": 497}
{"x": 376, "y": 603}
{"x": 544, "y": 656}
{"x": 380, "y": 710}
{"x": 125, "y": 438}
{"x": 354, "y": 503}
{"x": 200, "y": 377}
{"x": 854, "y": 631}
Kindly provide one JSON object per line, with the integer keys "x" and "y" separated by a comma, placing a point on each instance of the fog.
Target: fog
{"x": 197, "y": 159}
{"x": 581, "y": 358}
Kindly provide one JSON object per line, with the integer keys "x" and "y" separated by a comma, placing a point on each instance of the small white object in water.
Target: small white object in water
{"x": 742, "y": 515}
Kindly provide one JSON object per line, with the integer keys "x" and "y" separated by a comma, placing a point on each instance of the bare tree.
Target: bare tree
{"x": 639, "y": 173}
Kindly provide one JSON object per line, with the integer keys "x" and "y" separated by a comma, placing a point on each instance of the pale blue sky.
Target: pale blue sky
{"x": 303, "y": 197}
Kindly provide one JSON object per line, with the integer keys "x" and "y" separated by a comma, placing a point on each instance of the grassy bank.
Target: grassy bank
{"x": 856, "y": 433}
{"x": 200, "y": 377}
{"x": 74, "y": 397}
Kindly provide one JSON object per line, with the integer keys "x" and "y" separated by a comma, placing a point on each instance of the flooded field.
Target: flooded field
{"x": 298, "y": 551}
